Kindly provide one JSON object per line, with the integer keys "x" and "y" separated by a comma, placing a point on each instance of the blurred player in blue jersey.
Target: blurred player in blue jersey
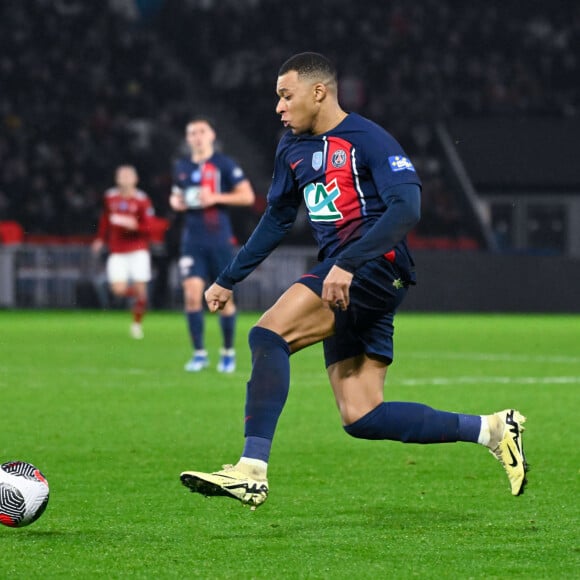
{"x": 205, "y": 185}
{"x": 362, "y": 196}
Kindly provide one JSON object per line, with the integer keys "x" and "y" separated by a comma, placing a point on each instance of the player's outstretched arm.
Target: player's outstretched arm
{"x": 216, "y": 297}
{"x": 241, "y": 195}
{"x": 271, "y": 229}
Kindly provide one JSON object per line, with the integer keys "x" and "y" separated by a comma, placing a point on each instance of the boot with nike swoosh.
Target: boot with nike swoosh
{"x": 507, "y": 446}
{"x": 232, "y": 481}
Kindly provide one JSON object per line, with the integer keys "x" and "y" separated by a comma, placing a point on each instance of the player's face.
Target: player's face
{"x": 297, "y": 103}
{"x": 126, "y": 177}
{"x": 200, "y": 136}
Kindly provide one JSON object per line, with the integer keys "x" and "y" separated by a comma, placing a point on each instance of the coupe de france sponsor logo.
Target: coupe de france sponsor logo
{"x": 400, "y": 163}
{"x": 320, "y": 198}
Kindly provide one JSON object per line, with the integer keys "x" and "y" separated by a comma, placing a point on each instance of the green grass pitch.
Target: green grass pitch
{"x": 112, "y": 422}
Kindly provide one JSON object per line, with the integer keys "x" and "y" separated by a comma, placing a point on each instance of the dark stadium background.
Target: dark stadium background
{"x": 484, "y": 96}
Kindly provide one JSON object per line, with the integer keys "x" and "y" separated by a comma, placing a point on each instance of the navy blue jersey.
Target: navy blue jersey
{"x": 342, "y": 176}
{"x": 211, "y": 225}
{"x": 362, "y": 196}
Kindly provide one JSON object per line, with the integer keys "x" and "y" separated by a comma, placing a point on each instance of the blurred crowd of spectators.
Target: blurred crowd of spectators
{"x": 400, "y": 62}
{"x": 86, "y": 86}
{"x": 83, "y": 89}
{"x": 407, "y": 65}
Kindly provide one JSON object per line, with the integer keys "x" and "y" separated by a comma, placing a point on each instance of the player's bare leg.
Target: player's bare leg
{"x": 137, "y": 292}
{"x": 139, "y": 308}
{"x": 358, "y": 385}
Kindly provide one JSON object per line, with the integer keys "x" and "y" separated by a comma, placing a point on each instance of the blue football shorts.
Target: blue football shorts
{"x": 205, "y": 262}
{"x": 366, "y": 326}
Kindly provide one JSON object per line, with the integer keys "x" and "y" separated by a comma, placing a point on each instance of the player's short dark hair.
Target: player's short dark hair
{"x": 310, "y": 64}
{"x": 201, "y": 119}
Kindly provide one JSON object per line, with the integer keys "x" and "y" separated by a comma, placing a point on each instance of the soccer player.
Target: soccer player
{"x": 124, "y": 227}
{"x": 205, "y": 184}
{"x": 362, "y": 196}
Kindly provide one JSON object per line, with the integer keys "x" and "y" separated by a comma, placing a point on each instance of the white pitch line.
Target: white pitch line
{"x": 485, "y": 356}
{"x": 439, "y": 381}
{"x": 5, "y": 369}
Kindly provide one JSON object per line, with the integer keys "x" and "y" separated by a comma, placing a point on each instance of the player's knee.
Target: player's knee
{"x": 193, "y": 300}
{"x": 119, "y": 289}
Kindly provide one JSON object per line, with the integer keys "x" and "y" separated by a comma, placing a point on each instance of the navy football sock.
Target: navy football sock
{"x": 267, "y": 389}
{"x": 195, "y": 326}
{"x": 415, "y": 423}
{"x": 228, "y": 326}
{"x": 257, "y": 448}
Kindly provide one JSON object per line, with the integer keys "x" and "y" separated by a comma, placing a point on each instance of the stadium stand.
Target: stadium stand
{"x": 407, "y": 65}
{"x": 83, "y": 89}
{"x": 88, "y": 84}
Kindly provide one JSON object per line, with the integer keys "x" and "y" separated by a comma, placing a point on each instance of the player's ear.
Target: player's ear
{"x": 320, "y": 91}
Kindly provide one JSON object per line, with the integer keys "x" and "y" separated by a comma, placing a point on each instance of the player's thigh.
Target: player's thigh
{"x": 300, "y": 317}
{"x": 117, "y": 269}
{"x": 139, "y": 264}
{"x": 358, "y": 385}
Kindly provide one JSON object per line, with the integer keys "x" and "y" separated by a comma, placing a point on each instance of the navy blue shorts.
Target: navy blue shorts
{"x": 367, "y": 324}
{"x": 205, "y": 262}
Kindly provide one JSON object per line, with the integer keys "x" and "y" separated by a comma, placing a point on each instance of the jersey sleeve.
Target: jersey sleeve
{"x": 283, "y": 190}
{"x": 232, "y": 173}
{"x": 386, "y": 161}
{"x": 399, "y": 186}
{"x": 103, "y": 226}
{"x": 402, "y": 213}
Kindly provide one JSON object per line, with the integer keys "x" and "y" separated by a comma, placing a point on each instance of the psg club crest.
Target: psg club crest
{"x": 317, "y": 160}
{"x": 196, "y": 176}
{"x": 338, "y": 158}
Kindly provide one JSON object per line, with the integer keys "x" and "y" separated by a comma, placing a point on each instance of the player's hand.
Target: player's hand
{"x": 336, "y": 288}
{"x": 216, "y": 297}
{"x": 97, "y": 246}
{"x": 207, "y": 197}
{"x": 177, "y": 202}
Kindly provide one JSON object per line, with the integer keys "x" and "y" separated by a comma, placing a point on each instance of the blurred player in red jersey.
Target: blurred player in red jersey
{"x": 124, "y": 227}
